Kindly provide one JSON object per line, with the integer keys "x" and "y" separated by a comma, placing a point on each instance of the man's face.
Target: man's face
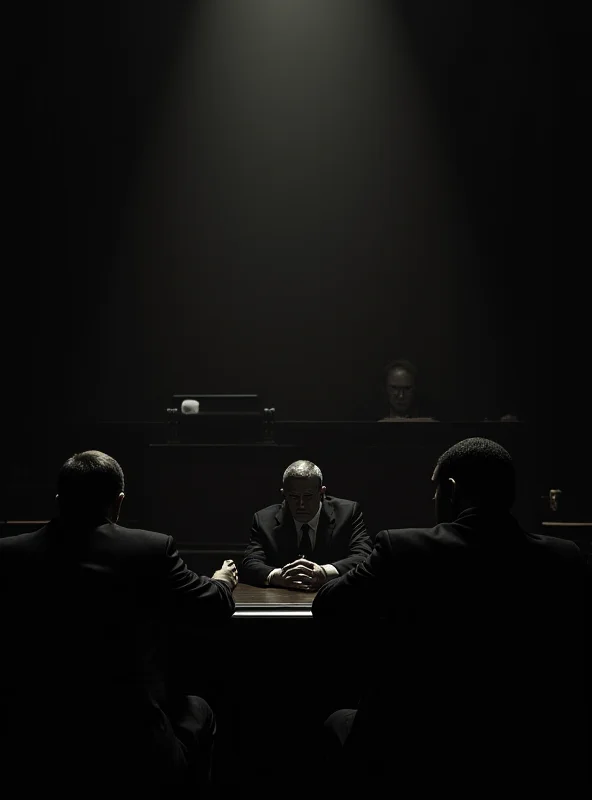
{"x": 303, "y": 496}
{"x": 400, "y": 388}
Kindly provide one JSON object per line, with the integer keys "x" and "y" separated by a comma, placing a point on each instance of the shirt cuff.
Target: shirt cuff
{"x": 331, "y": 571}
{"x": 273, "y": 572}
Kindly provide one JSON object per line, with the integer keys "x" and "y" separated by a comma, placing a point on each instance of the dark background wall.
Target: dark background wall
{"x": 280, "y": 197}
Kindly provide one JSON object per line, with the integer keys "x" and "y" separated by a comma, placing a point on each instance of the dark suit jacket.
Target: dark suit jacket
{"x": 80, "y": 654}
{"x": 341, "y": 540}
{"x": 477, "y": 661}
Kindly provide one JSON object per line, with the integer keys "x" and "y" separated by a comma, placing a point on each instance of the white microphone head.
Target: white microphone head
{"x": 190, "y": 407}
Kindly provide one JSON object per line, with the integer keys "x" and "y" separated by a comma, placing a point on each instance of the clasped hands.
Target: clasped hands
{"x": 301, "y": 574}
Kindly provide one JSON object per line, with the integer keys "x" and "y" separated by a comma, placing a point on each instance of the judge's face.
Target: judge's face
{"x": 400, "y": 388}
{"x": 302, "y": 496}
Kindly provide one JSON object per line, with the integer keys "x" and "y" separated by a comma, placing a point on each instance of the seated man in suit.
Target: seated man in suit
{"x": 83, "y": 703}
{"x": 307, "y": 539}
{"x": 478, "y": 650}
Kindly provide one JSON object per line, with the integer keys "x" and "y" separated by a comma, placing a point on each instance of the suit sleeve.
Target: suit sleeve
{"x": 359, "y": 543}
{"x": 362, "y": 590}
{"x": 195, "y": 598}
{"x": 254, "y": 568}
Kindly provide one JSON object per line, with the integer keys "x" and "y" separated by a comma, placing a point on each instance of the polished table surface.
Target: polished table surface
{"x": 256, "y": 601}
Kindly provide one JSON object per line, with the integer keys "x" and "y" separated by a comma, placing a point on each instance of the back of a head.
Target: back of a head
{"x": 89, "y": 483}
{"x": 482, "y": 470}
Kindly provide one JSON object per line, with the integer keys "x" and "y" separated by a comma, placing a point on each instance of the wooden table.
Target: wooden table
{"x": 271, "y": 602}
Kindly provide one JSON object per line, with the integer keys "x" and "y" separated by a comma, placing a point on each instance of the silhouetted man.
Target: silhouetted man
{"x": 84, "y": 707}
{"x": 477, "y": 656}
{"x": 307, "y": 539}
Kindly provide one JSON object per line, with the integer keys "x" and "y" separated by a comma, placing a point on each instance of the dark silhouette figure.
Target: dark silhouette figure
{"x": 85, "y": 710}
{"x": 476, "y": 633}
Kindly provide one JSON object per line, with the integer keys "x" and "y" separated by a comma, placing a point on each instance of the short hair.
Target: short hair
{"x": 400, "y": 363}
{"x": 89, "y": 482}
{"x": 482, "y": 468}
{"x": 302, "y": 469}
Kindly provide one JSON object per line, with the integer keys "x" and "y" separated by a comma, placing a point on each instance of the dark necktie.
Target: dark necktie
{"x": 305, "y": 542}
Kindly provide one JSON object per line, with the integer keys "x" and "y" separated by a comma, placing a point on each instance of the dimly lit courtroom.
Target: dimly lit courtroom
{"x": 296, "y": 477}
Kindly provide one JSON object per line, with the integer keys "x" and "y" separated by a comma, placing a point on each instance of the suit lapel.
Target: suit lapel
{"x": 325, "y": 530}
{"x": 284, "y": 532}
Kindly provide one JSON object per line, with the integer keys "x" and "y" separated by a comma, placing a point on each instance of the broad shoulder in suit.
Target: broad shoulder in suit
{"x": 441, "y": 567}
